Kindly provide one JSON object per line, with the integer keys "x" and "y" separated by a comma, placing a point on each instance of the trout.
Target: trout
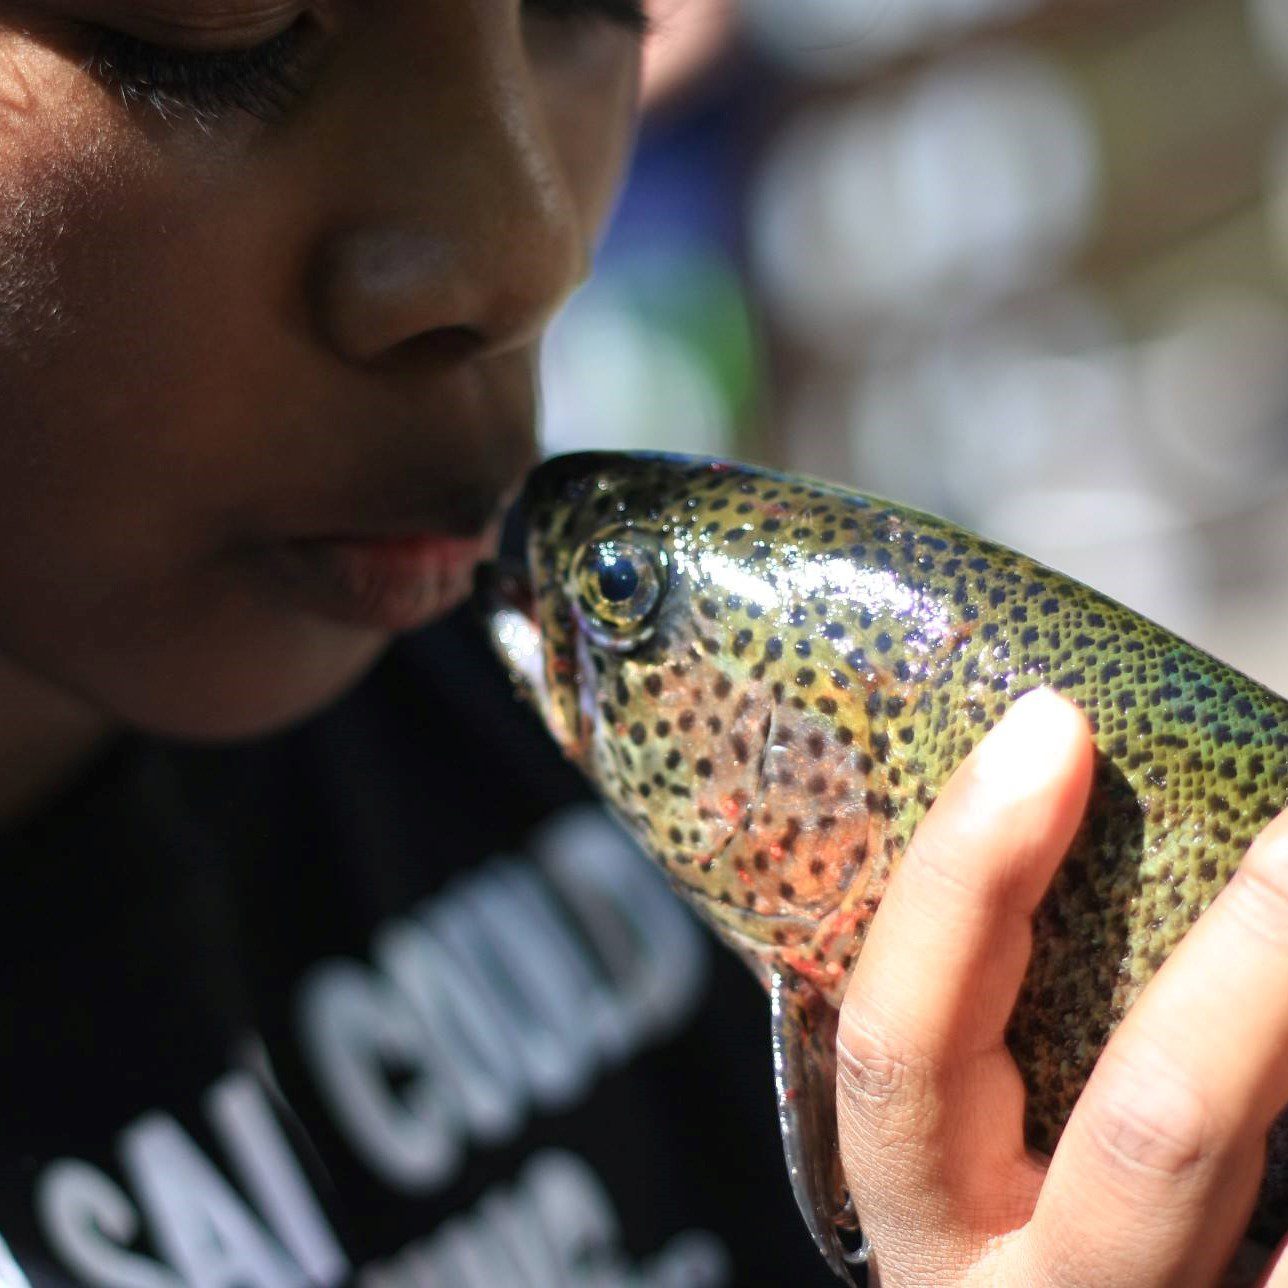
{"x": 770, "y": 679}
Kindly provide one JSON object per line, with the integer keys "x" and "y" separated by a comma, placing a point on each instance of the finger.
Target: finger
{"x": 1164, "y": 1151}
{"x": 930, "y": 1102}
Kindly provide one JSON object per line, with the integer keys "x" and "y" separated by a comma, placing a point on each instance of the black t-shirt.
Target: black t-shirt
{"x": 384, "y": 1000}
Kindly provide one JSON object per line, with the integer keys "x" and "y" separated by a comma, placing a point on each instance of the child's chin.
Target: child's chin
{"x": 249, "y": 702}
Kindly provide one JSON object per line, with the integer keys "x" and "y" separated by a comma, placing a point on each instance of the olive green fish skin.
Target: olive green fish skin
{"x": 818, "y": 665}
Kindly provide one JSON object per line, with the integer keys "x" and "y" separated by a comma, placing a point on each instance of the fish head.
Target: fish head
{"x": 675, "y": 606}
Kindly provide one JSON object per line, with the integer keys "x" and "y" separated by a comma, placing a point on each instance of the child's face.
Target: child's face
{"x": 233, "y": 345}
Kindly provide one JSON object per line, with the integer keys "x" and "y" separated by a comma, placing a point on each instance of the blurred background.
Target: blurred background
{"x": 1023, "y": 263}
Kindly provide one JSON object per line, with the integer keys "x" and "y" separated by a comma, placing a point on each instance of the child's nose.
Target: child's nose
{"x": 464, "y": 236}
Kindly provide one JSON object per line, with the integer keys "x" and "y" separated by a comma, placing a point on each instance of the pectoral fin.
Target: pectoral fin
{"x": 804, "y": 1037}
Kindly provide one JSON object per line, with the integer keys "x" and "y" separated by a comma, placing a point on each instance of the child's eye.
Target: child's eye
{"x": 260, "y": 80}
{"x": 630, "y": 13}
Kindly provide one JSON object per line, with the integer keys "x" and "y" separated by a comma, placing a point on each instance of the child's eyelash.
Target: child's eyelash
{"x": 261, "y": 81}
{"x": 630, "y": 13}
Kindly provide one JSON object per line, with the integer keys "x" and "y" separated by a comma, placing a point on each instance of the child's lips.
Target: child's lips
{"x": 391, "y": 583}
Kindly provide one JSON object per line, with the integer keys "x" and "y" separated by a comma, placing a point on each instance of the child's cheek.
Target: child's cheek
{"x": 62, "y": 152}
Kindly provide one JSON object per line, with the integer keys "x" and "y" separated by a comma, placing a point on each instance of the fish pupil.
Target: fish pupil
{"x": 618, "y": 577}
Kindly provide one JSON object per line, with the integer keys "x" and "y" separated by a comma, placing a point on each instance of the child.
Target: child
{"x": 273, "y": 274}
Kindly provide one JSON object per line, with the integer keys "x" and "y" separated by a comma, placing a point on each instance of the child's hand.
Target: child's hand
{"x": 1155, "y": 1176}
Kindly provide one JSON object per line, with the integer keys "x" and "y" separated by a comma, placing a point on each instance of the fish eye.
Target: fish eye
{"x": 618, "y": 580}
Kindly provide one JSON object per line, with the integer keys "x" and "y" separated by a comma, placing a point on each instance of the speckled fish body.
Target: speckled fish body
{"x": 770, "y": 680}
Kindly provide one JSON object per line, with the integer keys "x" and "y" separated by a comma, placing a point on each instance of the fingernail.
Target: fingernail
{"x": 1018, "y": 756}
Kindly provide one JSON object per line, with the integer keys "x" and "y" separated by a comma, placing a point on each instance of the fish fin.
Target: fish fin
{"x": 804, "y": 1041}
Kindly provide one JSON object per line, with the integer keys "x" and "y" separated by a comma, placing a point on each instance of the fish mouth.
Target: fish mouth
{"x": 509, "y": 611}
{"x": 522, "y": 633}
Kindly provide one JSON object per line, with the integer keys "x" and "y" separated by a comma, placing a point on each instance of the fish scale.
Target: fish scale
{"x": 812, "y": 667}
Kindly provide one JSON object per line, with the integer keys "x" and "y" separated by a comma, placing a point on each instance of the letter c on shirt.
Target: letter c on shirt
{"x": 355, "y": 1026}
